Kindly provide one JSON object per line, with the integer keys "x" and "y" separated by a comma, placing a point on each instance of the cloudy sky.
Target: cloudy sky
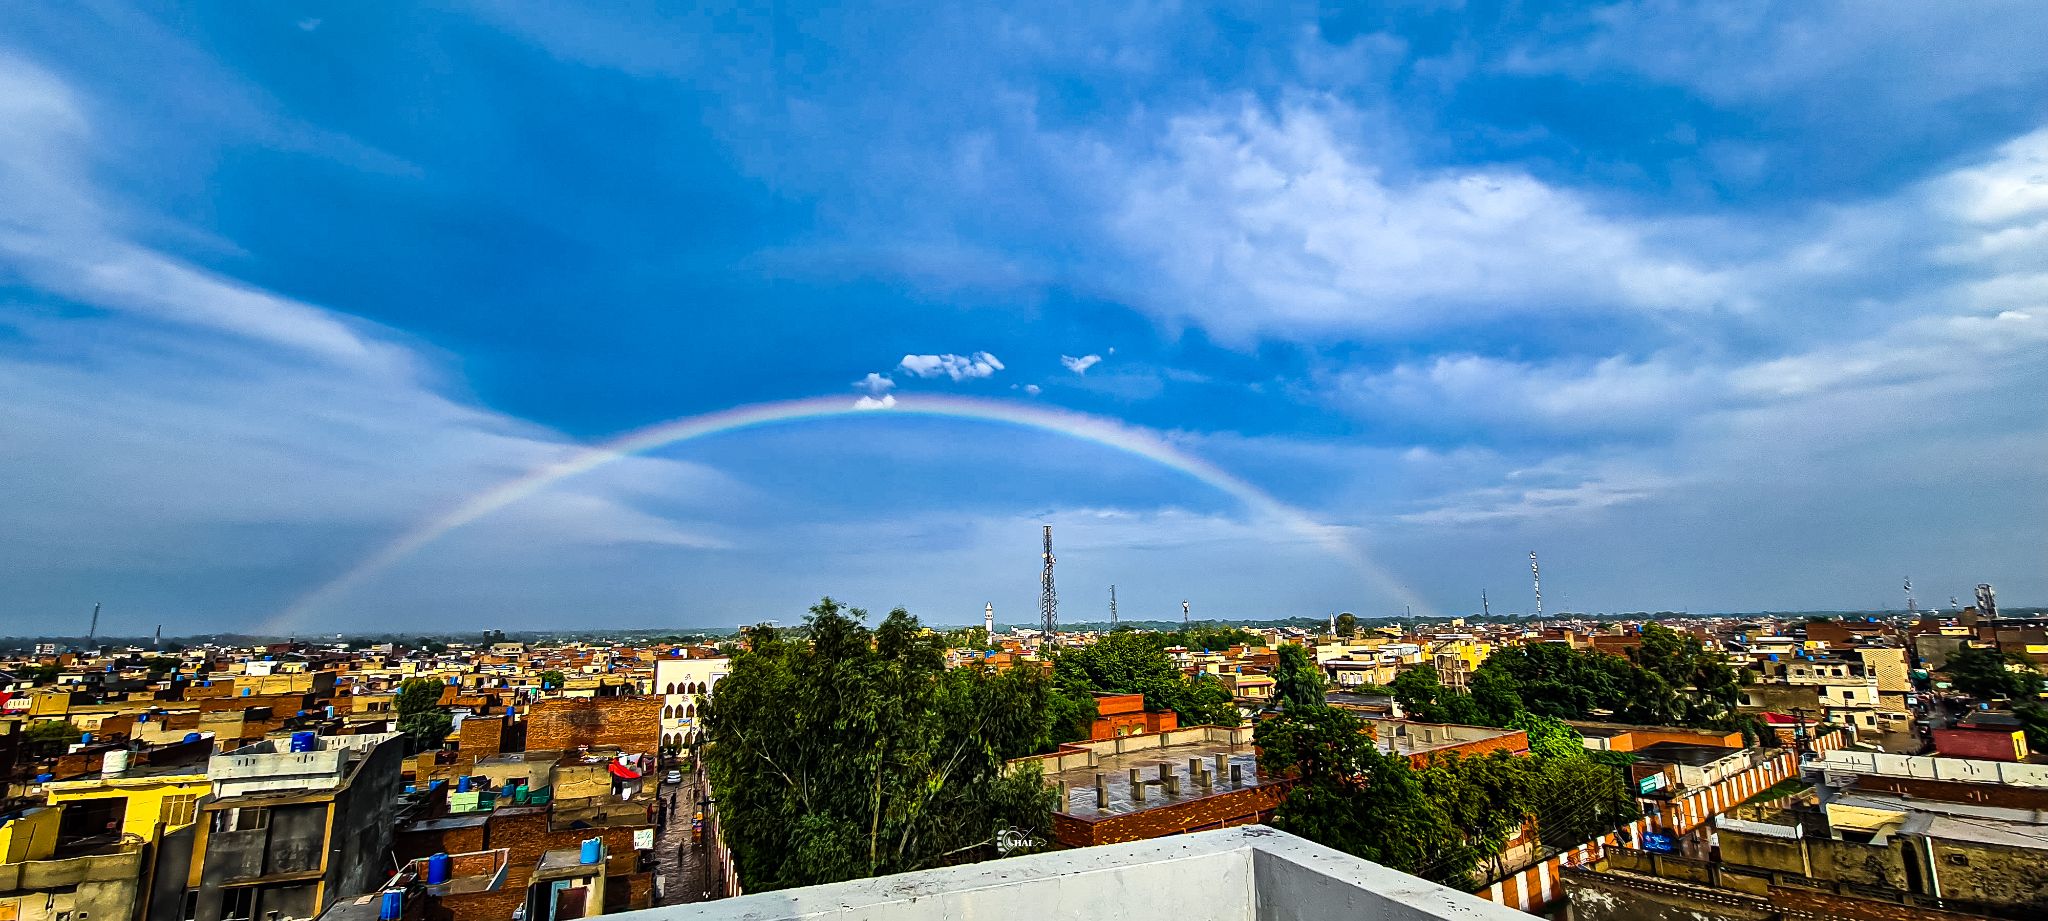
{"x": 1733, "y": 307}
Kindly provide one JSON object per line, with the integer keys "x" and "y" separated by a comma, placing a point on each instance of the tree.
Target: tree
{"x": 51, "y": 732}
{"x": 1549, "y": 737}
{"x": 1297, "y": 680}
{"x": 551, "y": 680}
{"x": 1347, "y": 624}
{"x": 420, "y": 715}
{"x": 859, "y": 753}
{"x": 1137, "y": 663}
{"x": 1583, "y": 800}
{"x": 1986, "y": 673}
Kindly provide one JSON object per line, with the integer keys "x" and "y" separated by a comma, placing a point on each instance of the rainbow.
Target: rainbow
{"x": 1095, "y": 429}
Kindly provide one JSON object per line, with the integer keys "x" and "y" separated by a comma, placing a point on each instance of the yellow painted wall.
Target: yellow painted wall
{"x": 31, "y": 837}
{"x": 145, "y": 796}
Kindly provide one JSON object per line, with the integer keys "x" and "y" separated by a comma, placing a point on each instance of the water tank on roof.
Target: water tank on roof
{"x": 392, "y": 906}
{"x": 437, "y": 869}
{"x": 114, "y": 763}
{"x": 305, "y": 742}
{"x": 191, "y": 737}
{"x": 593, "y": 850}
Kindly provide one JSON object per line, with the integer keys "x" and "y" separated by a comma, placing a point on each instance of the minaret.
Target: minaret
{"x": 988, "y": 622}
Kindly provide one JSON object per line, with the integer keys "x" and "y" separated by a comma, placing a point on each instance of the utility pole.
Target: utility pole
{"x": 1536, "y": 578}
{"x": 1112, "y": 606}
{"x": 1048, "y": 599}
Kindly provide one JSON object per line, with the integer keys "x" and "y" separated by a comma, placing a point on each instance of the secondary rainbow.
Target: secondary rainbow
{"x": 1107, "y": 432}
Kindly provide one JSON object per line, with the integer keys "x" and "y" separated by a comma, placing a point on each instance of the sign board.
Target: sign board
{"x": 643, "y": 839}
{"x": 1651, "y": 784}
{"x": 1659, "y": 843}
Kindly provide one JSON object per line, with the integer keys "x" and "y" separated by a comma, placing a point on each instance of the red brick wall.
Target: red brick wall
{"x": 1990, "y": 745}
{"x": 1222, "y": 810}
{"x": 631, "y": 723}
{"x": 481, "y": 736}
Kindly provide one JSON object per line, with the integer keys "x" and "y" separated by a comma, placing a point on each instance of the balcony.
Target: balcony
{"x": 1250, "y": 873}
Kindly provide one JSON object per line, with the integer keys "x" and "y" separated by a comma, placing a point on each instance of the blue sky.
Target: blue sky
{"x": 1728, "y": 306}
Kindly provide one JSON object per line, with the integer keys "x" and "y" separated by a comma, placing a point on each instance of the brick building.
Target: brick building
{"x": 632, "y": 724}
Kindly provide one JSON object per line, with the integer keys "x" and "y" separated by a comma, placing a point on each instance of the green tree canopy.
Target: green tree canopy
{"x": 859, "y": 753}
{"x": 1347, "y": 624}
{"x": 1985, "y": 672}
{"x": 420, "y": 715}
{"x": 1297, "y": 680}
{"x": 48, "y": 732}
{"x": 1137, "y": 663}
{"x": 551, "y": 680}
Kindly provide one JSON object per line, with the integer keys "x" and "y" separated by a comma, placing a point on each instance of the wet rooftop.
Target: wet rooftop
{"x": 1078, "y": 784}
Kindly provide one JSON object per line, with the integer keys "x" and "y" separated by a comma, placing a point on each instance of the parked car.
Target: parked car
{"x": 674, "y": 776}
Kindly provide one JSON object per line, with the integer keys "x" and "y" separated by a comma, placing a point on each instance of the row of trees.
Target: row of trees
{"x": 1669, "y": 680}
{"x": 1447, "y": 820}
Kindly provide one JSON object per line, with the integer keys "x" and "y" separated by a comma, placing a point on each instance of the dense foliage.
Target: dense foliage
{"x": 1981, "y": 671}
{"x": 1135, "y": 663}
{"x": 1449, "y": 818}
{"x": 859, "y": 753}
{"x": 1297, "y": 682}
{"x": 420, "y": 715}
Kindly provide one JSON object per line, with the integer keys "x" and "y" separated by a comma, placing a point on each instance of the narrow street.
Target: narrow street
{"x": 681, "y": 857}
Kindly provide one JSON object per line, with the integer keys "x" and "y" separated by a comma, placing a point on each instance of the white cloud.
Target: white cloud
{"x": 875, "y": 384}
{"x": 884, "y": 402}
{"x": 1033, "y": 389}
{"x": 957, "y": 367}
{"x": 1271, "y": 224}
{"x": 1082, "y": 364}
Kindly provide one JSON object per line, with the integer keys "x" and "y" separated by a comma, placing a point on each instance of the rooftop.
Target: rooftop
{"x": 1686, "y": 753}
{"x": 1251, "y": 873}
{"x": 1079, "y": 783}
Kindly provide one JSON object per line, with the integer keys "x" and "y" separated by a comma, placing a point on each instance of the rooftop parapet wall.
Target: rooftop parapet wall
{"x": 1252, "y": 873}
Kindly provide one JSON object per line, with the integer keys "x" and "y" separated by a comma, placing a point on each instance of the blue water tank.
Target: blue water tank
{"x": 392, "y": 907}
{"x": 593, "y": 850}
{"x": 305, "y": 742}
{"x": 437, "y": 869}
{"x": 462, "y": 785}
{"x": 247, "y": 691}
{"x": 191, "y": 737}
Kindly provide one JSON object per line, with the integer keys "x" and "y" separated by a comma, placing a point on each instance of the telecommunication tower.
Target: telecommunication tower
{"x": 1183, "y": 615}
{"x": 1112, "y": 606}
{"x": 1987, "y": 600}
{"x": 1485, "y": 610}
{"x": 1048, "y": 599}
{"x": 1536, "y": 579}
{"x": 1912, "y": 606}
{"x": 94, "y": 630}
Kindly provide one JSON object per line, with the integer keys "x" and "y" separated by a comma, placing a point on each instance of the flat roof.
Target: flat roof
{"x": 1686, "y": 753}
{"x": 1077, "y": 785}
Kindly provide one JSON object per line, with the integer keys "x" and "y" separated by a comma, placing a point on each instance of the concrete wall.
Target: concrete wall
{"x": 1857, "y": 762}
{"x": 1243, "y": 874}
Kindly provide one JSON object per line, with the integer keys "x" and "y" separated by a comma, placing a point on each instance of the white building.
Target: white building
{"x": 684, "y": 685}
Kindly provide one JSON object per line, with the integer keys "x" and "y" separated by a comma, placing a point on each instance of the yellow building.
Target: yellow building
{"x": 31, "y": 836}
{"x": 145, "y": 802}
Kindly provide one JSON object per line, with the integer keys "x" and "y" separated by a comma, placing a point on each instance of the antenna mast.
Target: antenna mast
{"x": 1912, "y": 607}
{"x": 1484, "y": 609}
{"x": 1112, "y": 606}
{"x": 1048, "y": 600}
{"x": 1183, "y": 615}
{"x": 1536, "y": 579}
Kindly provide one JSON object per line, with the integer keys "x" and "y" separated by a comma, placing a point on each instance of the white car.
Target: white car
{"x": 674, "y": 776}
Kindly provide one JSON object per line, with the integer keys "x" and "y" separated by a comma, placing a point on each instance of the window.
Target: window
{"x": 179, "y": 810}
{"x": 238, "y": 904}
{"x": 241, "y": 819}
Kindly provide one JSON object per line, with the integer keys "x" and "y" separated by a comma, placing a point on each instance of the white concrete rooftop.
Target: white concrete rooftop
{"x": 1250, "y": 873}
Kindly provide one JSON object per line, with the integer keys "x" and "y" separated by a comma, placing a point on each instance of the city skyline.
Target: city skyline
{"x": 315, "y": 316}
